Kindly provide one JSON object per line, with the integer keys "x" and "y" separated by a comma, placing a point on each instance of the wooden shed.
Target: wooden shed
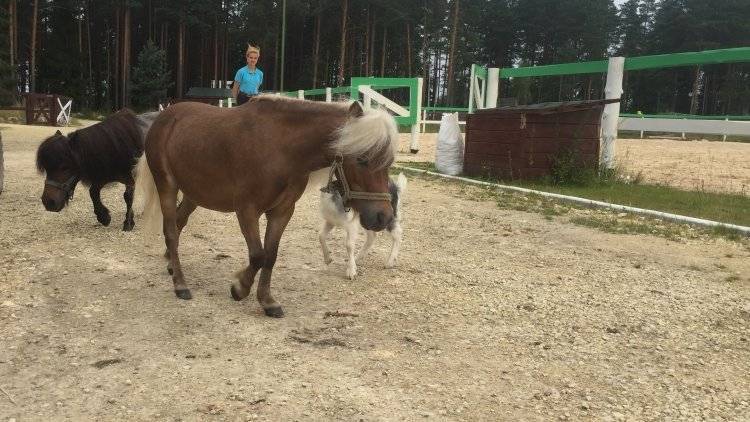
{"x": 523, "y": 142}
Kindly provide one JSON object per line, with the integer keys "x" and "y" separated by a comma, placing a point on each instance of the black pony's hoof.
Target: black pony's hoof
{"x": 183, "y": 294}
{"x": 414, "y": 151}
{"x": 236, "y": 296}
{"x": 275, "y": 312}
{"x": 170, "y": 270}
{"x": 104, "y": 218}
{"x": 128, "y": 226}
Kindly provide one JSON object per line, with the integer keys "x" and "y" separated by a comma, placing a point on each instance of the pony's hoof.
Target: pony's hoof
{"x": 128, "y": 226}
{"x": 104, "y": 219}
{"x": 274, "y": 312}
{"x": 170, "y": 270}
{"x": 183, "y": 294}
{"x": 235, "y": 294}
{"x": 413, "y": 151}
{"x": 327, "y": 260}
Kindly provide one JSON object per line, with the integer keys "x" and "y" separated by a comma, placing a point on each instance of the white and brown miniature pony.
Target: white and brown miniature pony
{"x": 336, "y": 214}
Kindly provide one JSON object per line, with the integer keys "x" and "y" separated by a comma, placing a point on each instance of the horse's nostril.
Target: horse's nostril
{"x": 381, "y": 218}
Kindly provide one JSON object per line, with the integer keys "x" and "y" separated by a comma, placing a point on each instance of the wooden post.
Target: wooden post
{"x": 611, "y": 113}
{"x": 414, "y": 144}
{"x": 493, "y": 83}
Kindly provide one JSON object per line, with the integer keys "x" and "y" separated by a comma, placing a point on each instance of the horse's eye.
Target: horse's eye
{"x": 362, "y": 161}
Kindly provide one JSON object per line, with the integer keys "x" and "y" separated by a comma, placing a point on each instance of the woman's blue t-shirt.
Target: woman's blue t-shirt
{"x": 249, "y": 81}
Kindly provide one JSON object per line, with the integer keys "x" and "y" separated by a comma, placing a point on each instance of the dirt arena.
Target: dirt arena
{"x": 490, "y": 315}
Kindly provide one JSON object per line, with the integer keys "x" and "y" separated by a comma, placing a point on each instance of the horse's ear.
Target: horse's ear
{"x": 58, "y": 132}
{"x": 355, "y": 110}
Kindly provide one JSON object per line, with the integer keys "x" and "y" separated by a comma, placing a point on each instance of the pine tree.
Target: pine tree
{"x": 150, "y": 79}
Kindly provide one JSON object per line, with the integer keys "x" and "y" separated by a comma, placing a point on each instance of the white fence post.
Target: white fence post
{"x": 329, "y": 95}
{"x": 493, "y": 85}
{"x": 724, "y": 136}
{"x": 301, "y": 94}
{"x": 611, "y": 113}
{"x": 414, "y": 145}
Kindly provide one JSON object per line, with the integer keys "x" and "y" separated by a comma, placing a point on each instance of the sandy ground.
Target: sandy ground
{"x": 490, "y": 315}
{"x": 692, "y": 165}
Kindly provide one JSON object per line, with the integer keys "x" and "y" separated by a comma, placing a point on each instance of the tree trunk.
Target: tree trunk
{"x": 696, "y": 85}
{"x": 316, "y": 50}
{"x": 452, "y": 55}
{"x": 382, "y": 51}
{"x": 32, "y": 68}
{"x": 11, "y": 33}
{"x": 408, "y": 49}
{"x": 342, "y": 57}
{"x": 216, "y": 51}
{"x": 366, "y": 63}
{"x": 88, "y": 40}
{"x": 371, "y": 59}
{"x": 150, "y": 13}
{"x": 116, "y": 51}
{"x": 435, "y": 84}
{"x": 126, "y": 58}
{"x": 180, "y": 54}
{"x": 426, "y": 59}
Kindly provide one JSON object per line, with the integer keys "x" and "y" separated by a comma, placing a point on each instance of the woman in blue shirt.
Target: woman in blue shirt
{"x": 248, "y": 79}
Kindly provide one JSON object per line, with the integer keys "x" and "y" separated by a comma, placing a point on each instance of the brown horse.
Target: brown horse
{"x": 256, "y": 159}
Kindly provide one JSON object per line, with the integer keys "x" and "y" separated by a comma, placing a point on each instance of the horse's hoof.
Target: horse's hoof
{"x": 104, "y": 219}
{"x": 235, "y": 295}
{"x": 274, "y": 312}
{"x": 413, "y": 151}
{"x": 183, "y": 294}
{"x": 128, "y": 226}
{"x": 170, "y": 270}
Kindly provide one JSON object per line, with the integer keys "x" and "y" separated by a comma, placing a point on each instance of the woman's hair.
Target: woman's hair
{"x": 252, "y": 49}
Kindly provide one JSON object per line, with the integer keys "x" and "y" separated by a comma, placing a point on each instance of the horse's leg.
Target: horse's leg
{"x": 184, "y": 210}
{"x": 327, "y": 227}
{"x": 102, "y": 213}
{"x": 277, "y": 218}
{"x": 367, "y": 246}
{"x": 249, "y": 224}
{"x": 395, "y": 233}
{"x": 352, "y": 230}
{"x": 168, "y": 198}
{"x": 128, "y": 196}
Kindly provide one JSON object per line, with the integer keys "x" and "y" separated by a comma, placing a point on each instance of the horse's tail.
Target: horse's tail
{"x": 145, "y": 188}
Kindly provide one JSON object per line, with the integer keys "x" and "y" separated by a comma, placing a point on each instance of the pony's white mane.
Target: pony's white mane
{"x": 373, "y": 136}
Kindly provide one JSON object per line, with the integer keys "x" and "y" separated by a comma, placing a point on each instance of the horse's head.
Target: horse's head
{"x": 365, "y": 148}
{"x": 55, "y": 158}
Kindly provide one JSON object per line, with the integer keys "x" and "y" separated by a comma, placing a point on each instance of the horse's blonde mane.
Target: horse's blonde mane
{"x": 372, "y": 136}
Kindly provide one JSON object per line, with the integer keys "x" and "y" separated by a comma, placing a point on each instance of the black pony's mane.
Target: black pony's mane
{"x": 102, "y": 153}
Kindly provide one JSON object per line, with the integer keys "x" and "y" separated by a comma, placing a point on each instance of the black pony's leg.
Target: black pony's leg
{"x": 128, "y": 196}
{"x": 102, "y": 213}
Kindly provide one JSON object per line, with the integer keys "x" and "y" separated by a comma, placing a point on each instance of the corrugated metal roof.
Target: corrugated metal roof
{"x": 550, "y": 108}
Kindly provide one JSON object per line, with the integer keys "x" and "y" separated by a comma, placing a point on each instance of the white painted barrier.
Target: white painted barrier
{"x": 711, "y": 127}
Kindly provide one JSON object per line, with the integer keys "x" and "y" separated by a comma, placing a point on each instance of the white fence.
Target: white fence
{"x": 709, "y": 127}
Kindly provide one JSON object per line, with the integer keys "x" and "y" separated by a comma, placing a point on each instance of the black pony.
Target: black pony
{"x": 97, "y": 155}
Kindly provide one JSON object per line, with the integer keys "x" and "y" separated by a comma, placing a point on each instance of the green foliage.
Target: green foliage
{"x": 569, "y": 169}
{"x": 150, "y": 79}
